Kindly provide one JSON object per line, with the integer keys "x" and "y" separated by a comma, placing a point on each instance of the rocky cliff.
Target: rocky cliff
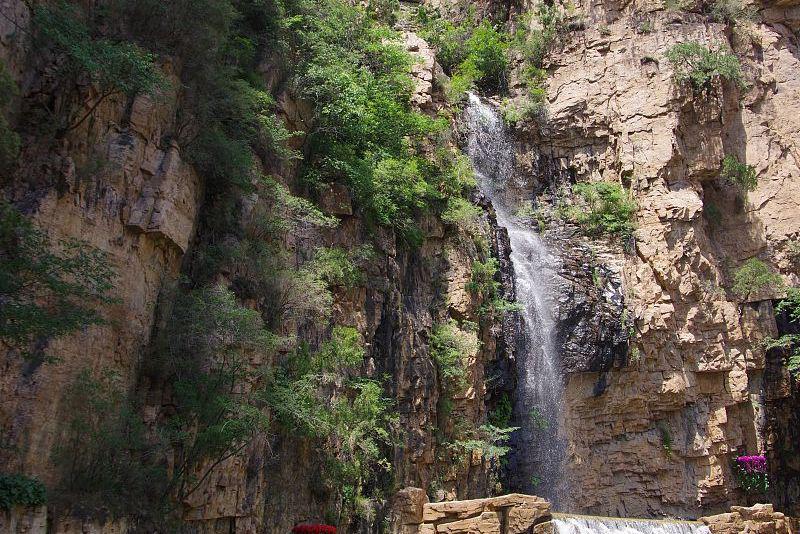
{"x": 667, "y": 376}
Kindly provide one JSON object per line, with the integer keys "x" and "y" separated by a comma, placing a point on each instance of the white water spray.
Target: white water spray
{"x": 606, "y": 525}
{"x": 537, "y": 465}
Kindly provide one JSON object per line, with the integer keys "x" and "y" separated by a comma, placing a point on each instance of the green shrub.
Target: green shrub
{"x": 790, "y": 343}
{"x": 106, "y": 460}
{"x": 607, "y": 210}
{"x": 484, "y": 285}
{"x": 666, "y": 438}
{"x": 205, "y": 354}
{"x": 731, "y": 11}
{"x": 753, "y": 276}
{"x": 21, "y": 490}
{"x": 741, "y": 175}
{"x": 700, "y": 66}
{"x": 47, "y": 289}
{"x": 471, "y": 54}
{"x": 115, "y": 66}
{"x": 501, "y": 416}
{"x": 536, "y": 44}
{"x": 462, "y": 213}
{"x": 487, "y": 53}
{"x": 452, "y": 347}
{"x": 336, "y": 267}
{"x": 9, "y": 140}
{"x": 351, "y": 427}
{"x": 488, "y": 439}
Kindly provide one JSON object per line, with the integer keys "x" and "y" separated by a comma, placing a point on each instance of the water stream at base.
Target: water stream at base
{"x": 536, "y": 465}
{"x": 565, "y": 524}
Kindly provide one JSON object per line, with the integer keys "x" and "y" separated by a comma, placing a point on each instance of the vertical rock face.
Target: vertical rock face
{"x": 656, "y": 432}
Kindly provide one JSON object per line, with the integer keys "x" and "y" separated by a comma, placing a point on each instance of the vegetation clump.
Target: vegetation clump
{"x": 753, "y": 276}
{"x": 741, "y": 175}
{"x": 606, "y": 210}
{"x": 472, "y": 54}
{"x": 108, "y": 461}
{"x": 21, "y": 490}
{"x": 451, "y": 348}
{"x": 115, "y": 66}
{"x": 700, "y": 66}
{"x": 353, "y": 425}
{"x": 731, "y": 11}
{"x": 485, "y": 286}
{"x": 9, "y": 140}
{"x": 48, "y": 289}
{"x": 790, "y": 343}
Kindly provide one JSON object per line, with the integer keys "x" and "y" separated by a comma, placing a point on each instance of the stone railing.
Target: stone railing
{"x": 509, "y": 514}
{"x": 758, "y": 519}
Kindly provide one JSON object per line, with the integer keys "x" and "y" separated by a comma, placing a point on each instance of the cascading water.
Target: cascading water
{"x": 537, "y": 463}
{"x": 565, "y": 524}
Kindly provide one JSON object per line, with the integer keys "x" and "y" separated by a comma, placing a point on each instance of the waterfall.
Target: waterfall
{"x": 565, "y": 524}
{"x": 537, "y": 462}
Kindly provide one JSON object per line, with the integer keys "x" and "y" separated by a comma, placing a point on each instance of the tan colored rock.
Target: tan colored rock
{"x": 486, "y": 523}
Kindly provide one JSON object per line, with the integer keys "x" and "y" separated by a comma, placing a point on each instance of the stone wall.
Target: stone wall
{"x": 509, "y": 514}
{"x": 757, "y": 519}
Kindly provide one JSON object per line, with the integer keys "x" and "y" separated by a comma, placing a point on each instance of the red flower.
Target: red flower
{"x": 314, "y": 529}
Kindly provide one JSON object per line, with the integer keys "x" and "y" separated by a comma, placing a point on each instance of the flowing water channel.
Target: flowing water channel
{"x": 566, "y": 524}
{"x": 537, "y": 463}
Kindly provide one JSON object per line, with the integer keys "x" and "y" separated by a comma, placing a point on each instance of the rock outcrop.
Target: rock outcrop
{"x": 509, "y": 514}
{"x": 760, "y": 519}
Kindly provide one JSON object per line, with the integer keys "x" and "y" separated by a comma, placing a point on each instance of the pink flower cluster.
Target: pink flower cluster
{"x": 752, "y": 464}
{"x": 314, "y": 529}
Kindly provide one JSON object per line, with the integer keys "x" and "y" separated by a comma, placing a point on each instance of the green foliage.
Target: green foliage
{"x": 607, "y": 210}
{"x": 206, "y": 354}
{"x": 753, "y": 276}
{"x": 666, "y": 438}
{"x": 452, "y": 347}
{"x": 352, "y": 425}
{"x": 47, "y": 289}
{"x": 529, "y": 108}
{"x": 384, "y": 10}
{"x": 700, "y": 66}
{"x": 21, "y": 490}
{"x": 484, "y": 285}
{"x": 462, "y": 213}
{"x": 336, "y": 267}
{"x": 712, "y": 213}
{"x": 106, "y": 460}
{"x": 538, "y": 420}
{"x": 741, "y": 175}
{"x": 731, "y": 11}
{"x": 9, "y": 140}
{"x": 535, "y": 44}
{"x": 488, "y": 439}
{"x": 501, "y": 416}
{"x": 472, "y": 54}
{"x": 113, "y": 65}
{"x": 790, "y": 343}
{"x": 227, "y": 116}
{"x": 365, "y": 132}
